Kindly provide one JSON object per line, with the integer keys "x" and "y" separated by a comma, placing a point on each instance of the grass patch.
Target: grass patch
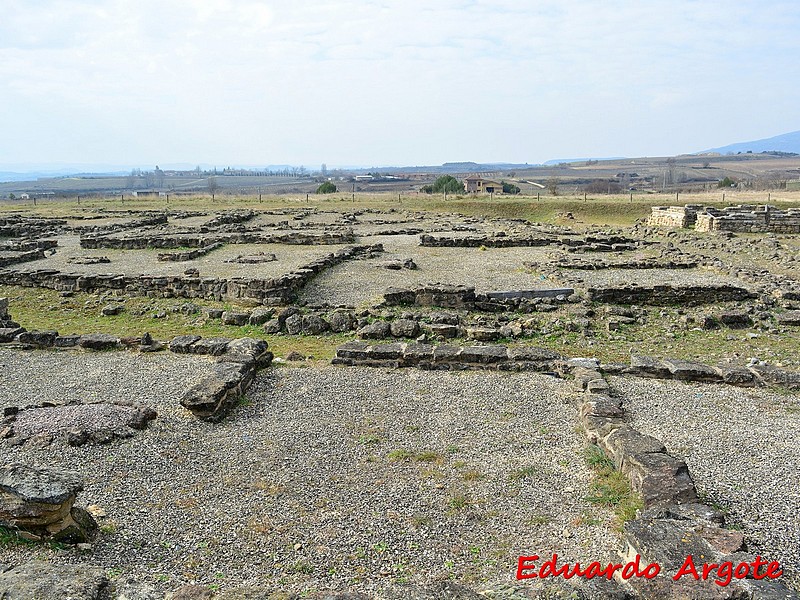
{"x": 421, "y": 456}
{"x": 527, "y": 472}
{"x": 610, "y": 488}
{"x": 41, "y": 309}
{"x": 458, "y": 502}
{"x": 11, "y": 537}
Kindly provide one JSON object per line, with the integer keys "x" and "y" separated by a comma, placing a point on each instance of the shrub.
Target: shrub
{"x": 445, "y": 183}
{"x": 326, "y": 188}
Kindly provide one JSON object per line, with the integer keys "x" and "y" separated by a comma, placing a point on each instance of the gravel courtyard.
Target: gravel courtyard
{"x": 324, "y": 478}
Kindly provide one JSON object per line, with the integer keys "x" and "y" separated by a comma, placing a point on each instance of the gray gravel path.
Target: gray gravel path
{"x": 741, "y": 448}
{"x": 343, "y": 478}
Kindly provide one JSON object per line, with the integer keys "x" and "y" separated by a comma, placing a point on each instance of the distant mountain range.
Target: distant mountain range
{"x": 787, "y": 142}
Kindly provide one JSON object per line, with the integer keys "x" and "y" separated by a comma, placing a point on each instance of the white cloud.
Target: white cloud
{"x": 391, "y": 81}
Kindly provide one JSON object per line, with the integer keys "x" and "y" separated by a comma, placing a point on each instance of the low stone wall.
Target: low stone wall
{"x": 750, "y": 219}
{"x": 189, "y": 255}
{"x": 212, "y": 398}
{"x": 674, "y": 216}
{"x": 664, "y": 295}
{"x": 759, "y": 374}
{"x": 673, "y": 524}
{"x": 485, "y": 241}
{"x": 231, "y": 217}
{"x": 19, "y": 226}
{"x": 464, "y": 297}
{"x": 745, "y": 218}
{"x": 444, "y": 357}
{"x": 589, "y": 243}
{"x": 21, "y": 257}
{"x": 199, "y": 240}
{"x": 600, "y": 264}
{"x": 281, "y": 290}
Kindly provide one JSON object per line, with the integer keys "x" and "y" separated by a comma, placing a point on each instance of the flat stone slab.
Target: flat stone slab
{"x": 40, "y": 486}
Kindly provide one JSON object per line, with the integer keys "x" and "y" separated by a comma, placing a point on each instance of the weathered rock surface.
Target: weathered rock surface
{"x": 39, "y": 502}
{"x": 40, "y": 580}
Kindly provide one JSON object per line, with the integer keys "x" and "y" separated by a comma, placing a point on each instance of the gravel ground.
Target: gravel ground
{"x": 741, "y": 448}
{"x": 647, "y": 277}
{"x": 357, "y": 282}
{"x": 28, "y": 378}
{"x": 333, "y": 478}
{"x": 134, "y": 262}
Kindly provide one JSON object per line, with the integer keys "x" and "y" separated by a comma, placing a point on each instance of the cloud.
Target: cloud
{"x": 347, "y": 81}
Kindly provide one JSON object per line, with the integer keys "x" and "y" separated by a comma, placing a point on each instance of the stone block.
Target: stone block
{"x": 685, "y": 370}
{"x": 483, "y": 355}
{"x": 386, "y": 351}
{"x": 99, "y": 341}
{"x": 647, "y": 366}
{"x": 374, "y": 331}
{"x": 416, "y": 353}
{"x": 39, "y": 339}
{"x": 235, "y": 318}
{"x": 405, "y": 328}
{"x": 181, "y": 344}
{"x": 353, "y": 350}
{"x": 212, "y": 346}
{"x": 626, "y": 442}
{"x": 7, "y": 334}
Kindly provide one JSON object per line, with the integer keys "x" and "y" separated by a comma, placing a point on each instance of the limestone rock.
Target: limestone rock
{"x": 212, "y": 397}
{"x": 272, "y": 327}
{"x": 39, "y": 339}
{"x": 294, "y": 324}
{"x": 112, "y": 309}
{"x": 44, "y": 581}
{"x": 314, "y": 325}
{"x": 182, "y": 343}
{"x": 342, "y": 321}
{"x": 39, "y": 502}
{"x": 261, "y": 315}
{"x": 374, "y": 331}
{"x": 406, "y": 328}
{"x": 99, "y": 341}
{"x": 249, "y": 351}
{"x": 235, "y": 318}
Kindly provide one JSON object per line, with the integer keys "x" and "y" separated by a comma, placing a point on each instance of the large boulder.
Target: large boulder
{"x": 39, "y": 502}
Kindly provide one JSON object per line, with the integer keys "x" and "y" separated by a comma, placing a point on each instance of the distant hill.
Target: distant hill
{"x": 558, "y": 161}
{"x": 787, "y": 142}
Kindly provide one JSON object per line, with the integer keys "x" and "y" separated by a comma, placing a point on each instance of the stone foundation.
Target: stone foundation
{"x": 665, "y": 295}
{"x": 281, "y": 290}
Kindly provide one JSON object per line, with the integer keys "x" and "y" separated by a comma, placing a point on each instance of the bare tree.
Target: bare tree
{"x": 213, "y": 185}
{"x": 552, "y": 185}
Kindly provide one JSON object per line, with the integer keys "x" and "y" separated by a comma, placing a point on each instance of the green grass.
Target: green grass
{"x": 610, "y": 488}
{"x": 42, "y": 309}
{"x": 527, "y": 472}
{"x": 599, "y": 209}
{"x": 10, "y": 538}
{"x": 421, "y": 456}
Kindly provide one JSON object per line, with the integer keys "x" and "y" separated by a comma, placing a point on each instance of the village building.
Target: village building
{"x": 479, "y": 185}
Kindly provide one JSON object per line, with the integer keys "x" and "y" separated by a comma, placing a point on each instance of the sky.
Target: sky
{"x": 390, "y": 82}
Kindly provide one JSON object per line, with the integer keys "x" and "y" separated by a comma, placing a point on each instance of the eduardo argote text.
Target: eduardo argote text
{"x": 529, "y": 567}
